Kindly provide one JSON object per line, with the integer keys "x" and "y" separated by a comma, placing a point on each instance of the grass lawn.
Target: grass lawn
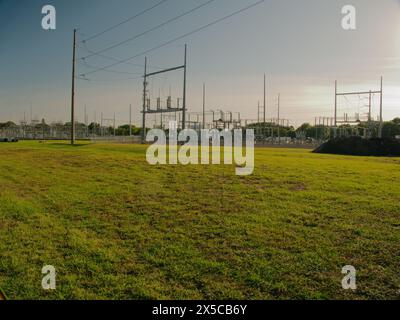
{"x": 117, "y": 228}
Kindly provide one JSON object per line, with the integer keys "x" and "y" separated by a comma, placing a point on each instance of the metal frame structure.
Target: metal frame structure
{"x": 147, "y": 107}
{"x": 107, "y": 120}
{"x": 210, "y": 119}
{"x": 345, "y": 120}
{"x": 226, "y": 120}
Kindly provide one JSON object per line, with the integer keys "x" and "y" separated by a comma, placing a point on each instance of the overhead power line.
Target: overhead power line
{"x": 180, "y": 37}
{"x": 116, "y": 59}
{"x": 106, "y": 81}
{"x": 112, "y": 71}
{"x": 149, "y": 30}
{"x": 124, "y": 21}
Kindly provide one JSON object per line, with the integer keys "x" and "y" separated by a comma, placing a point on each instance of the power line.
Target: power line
{"x": 180, "y": 37}
{"x": 150, "y": 30}
{"x": 112, "y": 71}
{"x": 116, "y": 59}
{"x": 87, "y": 65}
{"x": 124, "y": 21}
{"x": 106, "y": 81}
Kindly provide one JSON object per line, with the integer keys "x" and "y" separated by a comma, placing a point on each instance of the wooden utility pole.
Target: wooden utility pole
{"x": 43, "y": 125}
{"x": 144, "y": 101}
{"x": 279, "y": 118}
{"x": 265, "y": 98}
{"x": 335, "y": 129}
{"x": 204, "y": 106}
{"x": 114, "y": 124}
{"x": 381, "y": 111}
{"x": 101, "y": 125}
{"x": 130, "y": 120}
{"x": 86, "y": 122}
{"x": 73, "y": 91}
{"x": 335, "y": 103}
{"x": 184, "y": 92}
{"x": 370, "y": 106}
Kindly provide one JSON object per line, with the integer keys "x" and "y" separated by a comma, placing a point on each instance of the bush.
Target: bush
{"x": 357, "y": 146}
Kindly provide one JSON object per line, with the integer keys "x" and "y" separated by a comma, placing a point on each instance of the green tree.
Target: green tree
{"x": 391, "y": 129}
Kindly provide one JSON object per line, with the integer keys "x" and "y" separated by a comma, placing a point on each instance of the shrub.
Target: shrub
{"x": 357, "y": 146}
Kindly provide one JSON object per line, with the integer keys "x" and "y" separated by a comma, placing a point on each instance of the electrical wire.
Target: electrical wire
{"x": 84, "y": 63}
{"x": 149, "y": 30}
{"x": 116, "y": 59}
{"x": 180, "y": 37}
{"x": 110, "y": 80}
{"x": 124, "y": 21}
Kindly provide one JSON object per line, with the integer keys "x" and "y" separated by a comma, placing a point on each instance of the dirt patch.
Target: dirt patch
{"x": 298, "y": 187}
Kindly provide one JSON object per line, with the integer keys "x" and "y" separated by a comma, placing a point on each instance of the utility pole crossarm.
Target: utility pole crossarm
{"x": 356, "y": 93}
{"x": 164, "y": 71}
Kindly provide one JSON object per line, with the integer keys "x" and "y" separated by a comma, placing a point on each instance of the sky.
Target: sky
{"x": 299, "y": 44}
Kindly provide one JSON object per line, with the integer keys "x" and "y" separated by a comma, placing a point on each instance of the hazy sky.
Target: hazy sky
{"x": 299, "y": 44}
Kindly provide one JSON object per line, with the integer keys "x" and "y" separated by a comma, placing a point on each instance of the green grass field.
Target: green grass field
{"x": 117, "y": 228}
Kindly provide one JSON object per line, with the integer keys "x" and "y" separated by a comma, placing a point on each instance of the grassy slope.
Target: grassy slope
{"x": 115, "y": 227}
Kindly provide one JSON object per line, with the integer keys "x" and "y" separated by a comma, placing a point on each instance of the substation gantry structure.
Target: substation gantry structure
{"x": 346, "y": 120}
{"x": 147, "y": 108}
